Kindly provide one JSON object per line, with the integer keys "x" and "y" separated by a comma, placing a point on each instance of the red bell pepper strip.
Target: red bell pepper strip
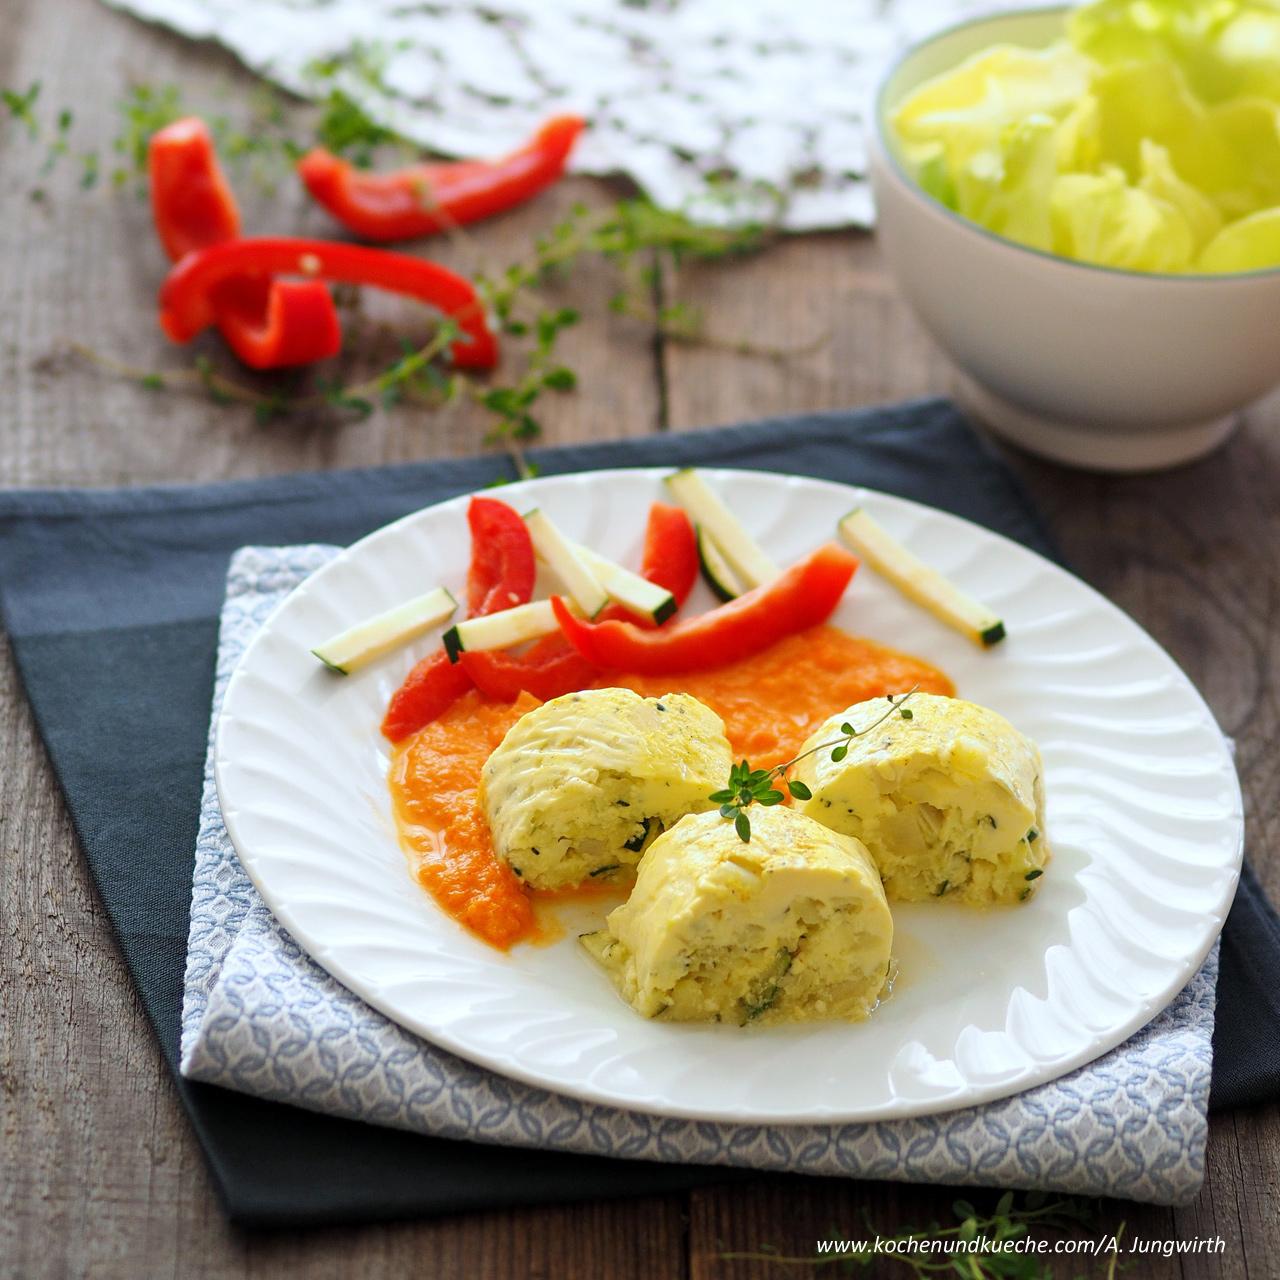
{"x": 502, "y": 561}
{"x": 191, "y": 201}
{"x": 670, "y": 551}
{"x": 803, "y": 596}
{"x": 428, "y": 691}
{"x": 269, "y": 324}
{"x": 548, "y": 669}
{"x": 501, "y": 575}
{"x": 276, "y": 324}
{"x": 552, "y": 666}
{"x": 425, "y": 198}
{"x": 187, "y": 297}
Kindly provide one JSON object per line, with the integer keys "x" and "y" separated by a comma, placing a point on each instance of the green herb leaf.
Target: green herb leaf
{"x": 20, "y": 106}
{"x": 144, "y": 111}
{"x": 560, "y": 379}
{"x": 748, "y": 786}
{"x": 742, "y": 825}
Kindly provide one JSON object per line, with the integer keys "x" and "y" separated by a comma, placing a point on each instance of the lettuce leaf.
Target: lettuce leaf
{"x": 1160, "y": 180}
{"x": 967, "y": 109}
{"x": 1100, "y": 218}
{"x": 1149, "y": 139}
{"x": 1006, "y": 187}
{"x": 1220, "y": 47}
{"x": 1251, "y": 244}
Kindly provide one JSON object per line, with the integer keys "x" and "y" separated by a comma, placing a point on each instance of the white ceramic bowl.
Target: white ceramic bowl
{"x": 1112, "y": 370}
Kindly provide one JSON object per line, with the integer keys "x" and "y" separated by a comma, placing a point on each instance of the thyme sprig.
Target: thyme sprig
{"x": 356, "y": 397}
{"x": 622, "y": 234}
{"x": 748, "y": 786}
{"x": 260, "y": 141}
{"x": 644, "y": 244}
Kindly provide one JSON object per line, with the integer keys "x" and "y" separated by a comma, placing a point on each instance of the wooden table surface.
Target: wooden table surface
{"x": 99, "y": 1172}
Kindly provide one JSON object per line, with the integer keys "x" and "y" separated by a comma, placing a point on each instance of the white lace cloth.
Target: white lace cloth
{"x": 697, "y": 100}
{"x": 261, "y": 1017}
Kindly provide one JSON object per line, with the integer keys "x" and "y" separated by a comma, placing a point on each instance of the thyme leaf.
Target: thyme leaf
{"x": 748, "y": 786}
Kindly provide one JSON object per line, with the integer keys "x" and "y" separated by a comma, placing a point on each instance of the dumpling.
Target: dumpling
{"x": 789, "y": 927}
{"x": 581, "y": 785}
{"x": 950, "y": 802}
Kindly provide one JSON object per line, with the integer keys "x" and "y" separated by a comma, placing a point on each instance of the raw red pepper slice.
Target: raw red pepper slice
{"x": 191, "y": 200}
{"x": 552, "y": 666}
{"x": 502, "y": 562}
{"x": 803, "y": 596}
{"x": 269, "y": 324}
{"x": 501, "y": 575}
{"x": 670, "y": 551}
{"x": 428, "y": 691}
{"x": 187, "y": 297}
{"x": 425, "y": 198}
{"x": 548, "y": 669}
{"x": 276, "y": 324}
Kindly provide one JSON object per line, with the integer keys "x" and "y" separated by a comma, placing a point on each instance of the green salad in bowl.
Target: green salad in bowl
{"x": 1082, "y": 206}
{"x": 1145, "y": 137}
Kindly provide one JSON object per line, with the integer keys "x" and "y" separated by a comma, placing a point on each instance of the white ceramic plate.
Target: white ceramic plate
{"x": 1144, "y": 812}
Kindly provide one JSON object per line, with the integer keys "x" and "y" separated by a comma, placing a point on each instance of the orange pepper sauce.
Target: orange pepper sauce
{"x": 770, "y": 704}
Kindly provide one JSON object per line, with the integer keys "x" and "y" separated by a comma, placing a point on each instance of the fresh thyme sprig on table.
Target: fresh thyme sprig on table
{"x": 748, "y": 786}
{"x": 644, "y": 244}
{"x": 623, "y": 234}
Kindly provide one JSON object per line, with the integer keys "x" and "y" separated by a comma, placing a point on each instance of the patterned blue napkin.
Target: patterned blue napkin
{"x": 260, "y": 1017}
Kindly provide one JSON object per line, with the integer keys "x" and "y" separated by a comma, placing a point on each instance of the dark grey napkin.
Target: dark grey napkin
{"x": 111, "y": 601}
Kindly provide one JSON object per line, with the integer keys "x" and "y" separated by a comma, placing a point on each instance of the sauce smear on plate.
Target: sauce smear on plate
{"x": 770, "y": 703}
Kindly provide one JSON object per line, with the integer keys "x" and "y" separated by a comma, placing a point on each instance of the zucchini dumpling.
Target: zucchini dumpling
{"x": 949, "y": 801}
{"x": 790, "y": 927}
{"x": 581, "y": 785}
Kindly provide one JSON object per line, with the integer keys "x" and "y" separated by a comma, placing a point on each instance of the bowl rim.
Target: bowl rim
{"x": 883, "y": 143}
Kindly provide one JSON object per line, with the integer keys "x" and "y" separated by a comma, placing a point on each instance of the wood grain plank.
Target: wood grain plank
{"x": 826, "y": 297}
{"x": 1183, "y": 552}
